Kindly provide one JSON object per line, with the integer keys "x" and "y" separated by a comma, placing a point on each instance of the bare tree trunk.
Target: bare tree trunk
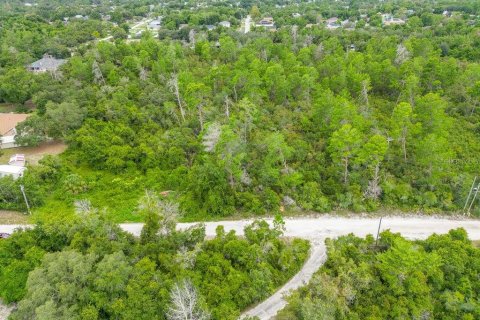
{"x": 173, "y": 85}
{"x": 227, "y": 106}
{"x": 404, "y": 143}
{"x": 235, "y": 93}
{"x": 231, "y": 180}
{"x": 200, "y": 115}
{"x": 373, "y": 190}
{"x": 345, "y": 172}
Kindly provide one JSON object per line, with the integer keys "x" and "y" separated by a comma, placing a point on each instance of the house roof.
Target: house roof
{"x": 8, "y": 122}
{"x": 48, "y": 63}
{"x": 332, "y": 20}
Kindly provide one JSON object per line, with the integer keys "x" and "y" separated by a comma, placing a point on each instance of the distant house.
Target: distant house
{"x": 14, "y": 171}
{"x": 296, "y": 15}
{"x": 333, "y": 23}
{"x": 225, "y": 24}
{"x": 389, "y": 20}
{"x": 210, "y": 27}
{"x": 332, "y": 20}
{"x": 47, "y": 63}
{"x": 266, "y": 22}
{"x": 155, "y": 24}
{"x": 8, "y": 122}
{"x": 80, "y": 17}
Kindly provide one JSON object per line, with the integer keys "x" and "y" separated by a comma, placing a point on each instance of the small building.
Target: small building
{"x": 266, "y": 22}
{"x": 210, "y": 27}
{"x": 80, "y": 17}
{"x": 296, "y": 15}
{"x": 17, "y": 160}
{"x": 14, "y": 171}
{"x": 333, "y": 23}
{"x": 332, "y": 20}
{"x": 389, "y": 20}
{"x": 8, "y": 123}
{"x": 155, "y": 24}
{"x": 225, "y": 24}
{"x": 47, "y": 63}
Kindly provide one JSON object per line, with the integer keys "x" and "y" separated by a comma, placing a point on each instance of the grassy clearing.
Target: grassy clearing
{"x": 476, "y": 243}
{"x": 7, "y": 107}
{"x": 13, "y": 217}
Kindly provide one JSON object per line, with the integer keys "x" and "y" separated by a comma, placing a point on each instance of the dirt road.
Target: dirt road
{"x": 316, "y": 230}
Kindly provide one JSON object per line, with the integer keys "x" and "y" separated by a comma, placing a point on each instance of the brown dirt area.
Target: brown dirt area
{"x": 34, "y": 154}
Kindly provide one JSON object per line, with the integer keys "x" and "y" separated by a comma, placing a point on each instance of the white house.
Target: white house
{"x": 8, "y": 122}
{"x": 225, "y": 24}
{"x": 14, "y": 171}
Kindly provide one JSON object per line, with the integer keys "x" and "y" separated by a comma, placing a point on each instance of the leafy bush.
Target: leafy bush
{"x": 432, "y": 279}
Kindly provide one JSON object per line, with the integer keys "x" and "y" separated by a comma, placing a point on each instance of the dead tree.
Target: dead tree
{"x": 185, "y": 304}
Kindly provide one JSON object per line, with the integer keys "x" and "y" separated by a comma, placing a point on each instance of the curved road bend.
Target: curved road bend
{"x": 316, "y": 230}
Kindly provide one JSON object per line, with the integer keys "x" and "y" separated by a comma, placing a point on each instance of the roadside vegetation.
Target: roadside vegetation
{"x": 91, "y": 269}
{"x": 395, "y": 278}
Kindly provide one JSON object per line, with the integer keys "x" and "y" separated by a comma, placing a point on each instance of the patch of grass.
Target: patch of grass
{"x": 53, "y": 211}
{"x": 7, "y": 107}
{"x": 476, "y": 243}
{"x": 13, "y": 217}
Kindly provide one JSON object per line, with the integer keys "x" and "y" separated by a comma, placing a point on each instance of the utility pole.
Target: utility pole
{"x": 22, "y": 188}
{"x": 378, "y": 231}
{"x": 469, "y": 194}
{"x": 472, "y": 195}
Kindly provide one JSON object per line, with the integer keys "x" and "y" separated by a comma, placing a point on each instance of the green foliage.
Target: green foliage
{"x": 435, "y": 278}
{"x": 89, "y": 268}
{"x": 231, "y": 122}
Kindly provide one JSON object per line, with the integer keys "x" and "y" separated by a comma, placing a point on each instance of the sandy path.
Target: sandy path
{"x": 316, "y": 230}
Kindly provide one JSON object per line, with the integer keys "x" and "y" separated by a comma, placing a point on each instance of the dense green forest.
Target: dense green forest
{"x": 228, "y": 122}
{"x": 304, "y": 118}
{"x": 91, "y": 269}
{"x": 393, "y": 279}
